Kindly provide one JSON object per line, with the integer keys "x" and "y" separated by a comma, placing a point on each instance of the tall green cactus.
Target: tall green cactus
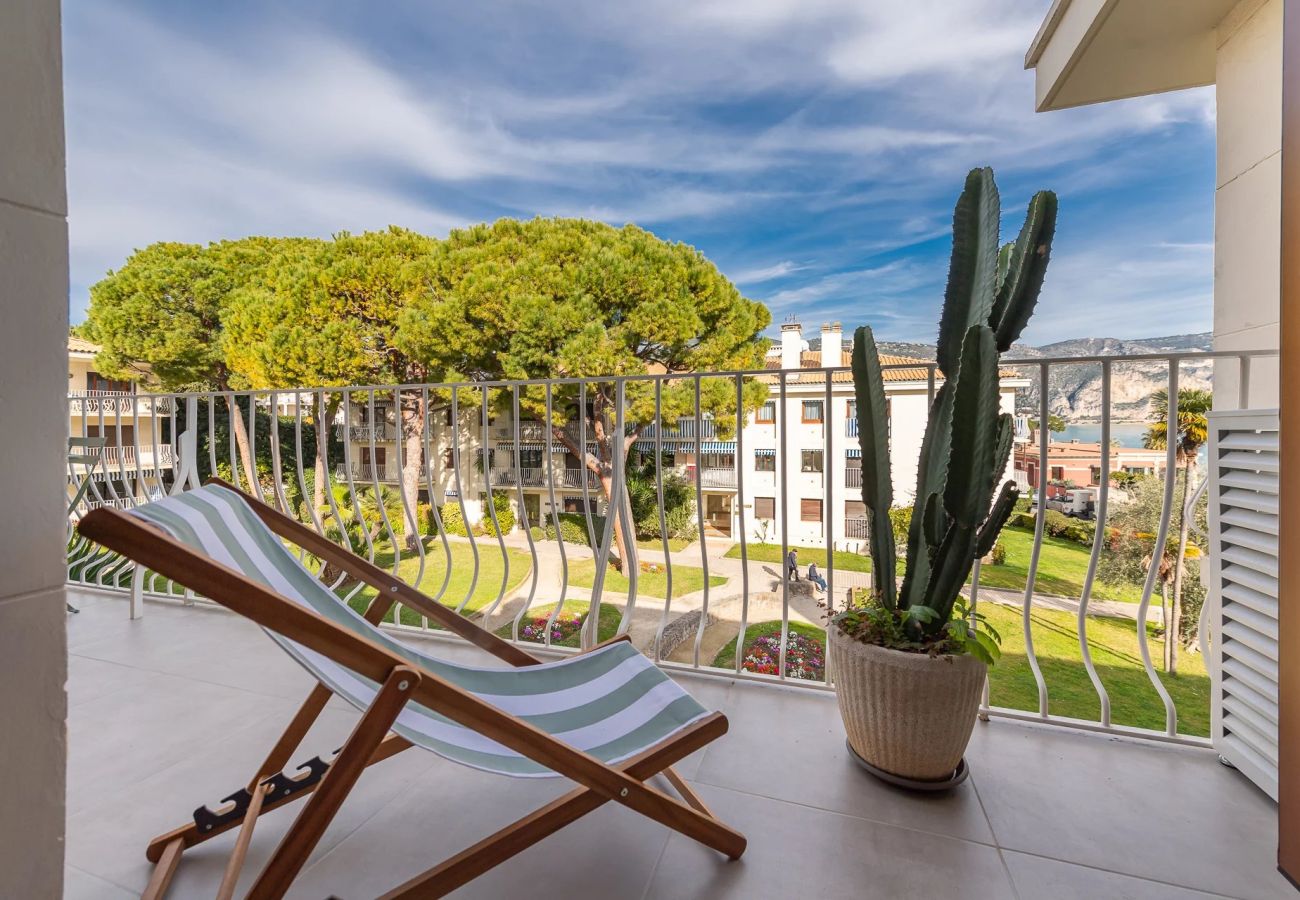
{"x": 990, "y": 297}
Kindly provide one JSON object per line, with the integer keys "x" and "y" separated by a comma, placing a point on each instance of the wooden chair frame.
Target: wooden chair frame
{"x": 371, "y": 741}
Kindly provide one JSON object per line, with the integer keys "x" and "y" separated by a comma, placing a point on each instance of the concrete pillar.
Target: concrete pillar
{"x": 1247, "y": 198}
{"x": 33, "y": 385}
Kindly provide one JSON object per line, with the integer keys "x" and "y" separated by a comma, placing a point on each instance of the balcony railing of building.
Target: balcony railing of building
{"x": 539, "y": 571}
{"x": 116, "y": 403}
{"x": 853, "y": 477}
{"x": 713, "y": 477}
{"x": 380, "y": 432}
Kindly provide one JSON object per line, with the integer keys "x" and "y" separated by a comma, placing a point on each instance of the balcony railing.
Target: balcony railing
{"x": 1031, "y": 589}
{"x": 116, "y": 403}
{"x": 379, "y": 432}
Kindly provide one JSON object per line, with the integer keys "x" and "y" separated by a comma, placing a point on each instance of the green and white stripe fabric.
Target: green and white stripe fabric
{"x": 612, "y": 703}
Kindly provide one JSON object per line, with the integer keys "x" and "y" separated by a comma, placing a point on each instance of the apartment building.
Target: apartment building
{"x": 137, "y": 455}
{"x": 796, "y": 461}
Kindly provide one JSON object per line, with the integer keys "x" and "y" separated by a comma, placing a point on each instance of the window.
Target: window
{"x": 764, "y": 507}
{"x": 97, "y": 382}
{"x": 811, "y": 461}
{"x": 851, "y": 410}
{"x": 530, "y": 457}
{"x": 764, "y": 462}
{"x": 1058, "y": 473}
{"x": 767, "y": 412}
{"x": 574, "y": 505}
{"x": 448, "y": 459}
{"x": 812, "y": 410}
{"x": 810, "y": 510}
{"x": 1095, "y": 474}
{"x": 855, "y": 509}
{"x": 446, "y": 419}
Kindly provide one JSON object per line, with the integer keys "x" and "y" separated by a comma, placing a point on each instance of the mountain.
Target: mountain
{"x": 1074, "y": 390}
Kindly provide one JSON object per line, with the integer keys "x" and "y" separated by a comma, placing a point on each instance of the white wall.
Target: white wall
{"x": 33, "y": 385}
{"x": 1247, "y": 199}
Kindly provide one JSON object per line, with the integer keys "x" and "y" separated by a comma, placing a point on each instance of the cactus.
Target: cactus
{"x": 990, "y": 297}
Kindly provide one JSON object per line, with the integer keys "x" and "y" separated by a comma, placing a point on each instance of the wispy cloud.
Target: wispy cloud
{"x": 767, "y": 273}
{"x": 812, "y": 147}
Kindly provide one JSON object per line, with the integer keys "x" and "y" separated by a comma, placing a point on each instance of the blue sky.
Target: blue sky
{"x": 812, "y": 148}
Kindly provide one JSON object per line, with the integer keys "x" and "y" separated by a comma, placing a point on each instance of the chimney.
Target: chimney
{"x": 832, "y": 344}
{"x": 791, "y": 343}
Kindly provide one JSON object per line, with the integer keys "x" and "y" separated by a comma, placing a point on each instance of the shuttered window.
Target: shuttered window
{"x": 810, "y": 510}
{"x": 855, "y": 509}
{"x": 765, "y": 507}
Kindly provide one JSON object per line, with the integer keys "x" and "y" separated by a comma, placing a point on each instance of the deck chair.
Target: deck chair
{"x": 608, "y": 718}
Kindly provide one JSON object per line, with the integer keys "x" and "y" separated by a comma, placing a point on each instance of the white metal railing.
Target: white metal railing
{"x": 512, "y": 575}
{"x": 853, "y": 477}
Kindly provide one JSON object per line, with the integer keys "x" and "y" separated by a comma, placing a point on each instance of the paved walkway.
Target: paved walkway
{"x": 725, "y": 602}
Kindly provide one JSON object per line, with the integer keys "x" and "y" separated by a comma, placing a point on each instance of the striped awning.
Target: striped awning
{"x": 853, "y": 453}
{"x": 717, "y": 446}
{"x": 765, "y": 452}
{"x": 540, "y": 446}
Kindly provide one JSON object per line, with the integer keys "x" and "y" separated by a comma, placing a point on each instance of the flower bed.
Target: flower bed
{"x": 805, "y": 652}
{"x": 565, "y": 626}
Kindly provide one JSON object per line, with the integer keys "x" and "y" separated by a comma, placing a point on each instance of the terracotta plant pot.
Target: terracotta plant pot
{"x": 907, "y": 714}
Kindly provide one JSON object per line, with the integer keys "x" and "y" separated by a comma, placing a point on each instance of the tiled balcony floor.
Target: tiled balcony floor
{"x": 176, "y": 710}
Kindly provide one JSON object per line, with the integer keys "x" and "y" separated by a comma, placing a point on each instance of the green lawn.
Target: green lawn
{"x": 771, "y": 553}
{"x": 675, "y": 544}
{"x": 1114, "y": 647}
{"x": 686, "y": 579}
{"x": 1062, "y": 566}
{"x": 609, "y": 618}
{"x": 490, "y": 576}
{"x": 726, "y": 658}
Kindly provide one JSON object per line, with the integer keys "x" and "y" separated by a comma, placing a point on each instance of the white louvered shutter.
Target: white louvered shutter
{"x": 1243, "y": 528}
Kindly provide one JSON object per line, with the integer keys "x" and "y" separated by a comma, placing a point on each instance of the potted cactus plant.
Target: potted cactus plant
{"x": 910, "y": 660}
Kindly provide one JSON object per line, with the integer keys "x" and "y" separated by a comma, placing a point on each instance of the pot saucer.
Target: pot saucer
{"x": 959, "y": 775}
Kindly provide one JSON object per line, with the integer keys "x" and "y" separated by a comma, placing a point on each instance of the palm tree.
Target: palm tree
{"x": 1193, "y": 430}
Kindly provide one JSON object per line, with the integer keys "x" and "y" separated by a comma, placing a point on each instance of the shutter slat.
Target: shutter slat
{"x": 1249, "y": 481}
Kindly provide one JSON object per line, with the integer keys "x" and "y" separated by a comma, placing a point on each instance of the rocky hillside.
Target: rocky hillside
{"x": 1075, "y": 390}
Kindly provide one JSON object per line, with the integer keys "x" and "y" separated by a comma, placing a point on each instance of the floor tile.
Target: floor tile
{"x": 788, "y": 744}
{"x": 1136, "y": 808}
{"x": 798, "y": 851}
{"x": 1035, "y": 876}
{"x": 79, "y": 885}
{"x": 609, "y": 853}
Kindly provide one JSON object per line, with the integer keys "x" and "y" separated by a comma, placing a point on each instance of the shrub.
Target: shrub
{"x": 805, "y": 657}
{"x": 901, "y": 518}
{"x": 1022, "y": 520}
{"x": 505, "y": 516}
{"x": 998, "y": 555}
{"x": 452, "y": 521}
{"x": 1059, "y": 525}
{"x": 537, "y": 533}
{"x": 424, "y": 518}
{"x": 573, "y": 528}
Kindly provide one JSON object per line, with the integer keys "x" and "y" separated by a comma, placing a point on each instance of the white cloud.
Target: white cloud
{"x": 767, "y": 273}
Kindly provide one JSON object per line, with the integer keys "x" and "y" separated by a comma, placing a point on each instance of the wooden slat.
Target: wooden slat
{"x": 298, "y": 843}
{"x": 165, "y": 867}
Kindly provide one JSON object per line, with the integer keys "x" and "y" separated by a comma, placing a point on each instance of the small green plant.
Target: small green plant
{"x": 959, "y": 510}
{"x": 998, "y": 555}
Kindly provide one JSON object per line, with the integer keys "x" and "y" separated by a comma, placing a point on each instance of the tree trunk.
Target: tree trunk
{"x": 604, "y": 471}
{"x": 1164, "y": 614}
{"x": 413, "y": 413}
{"x": 1180, "y": 563}
{"x": 240, "y": 430}
{"x": 320, "y": 480}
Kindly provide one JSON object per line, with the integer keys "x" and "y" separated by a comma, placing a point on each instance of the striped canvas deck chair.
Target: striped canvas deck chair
{"x": 607, "y": 719}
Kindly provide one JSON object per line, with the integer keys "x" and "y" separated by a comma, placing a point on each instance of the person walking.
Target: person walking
{"x": 816, "y": 577}
{"x": 792, "y": 564}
